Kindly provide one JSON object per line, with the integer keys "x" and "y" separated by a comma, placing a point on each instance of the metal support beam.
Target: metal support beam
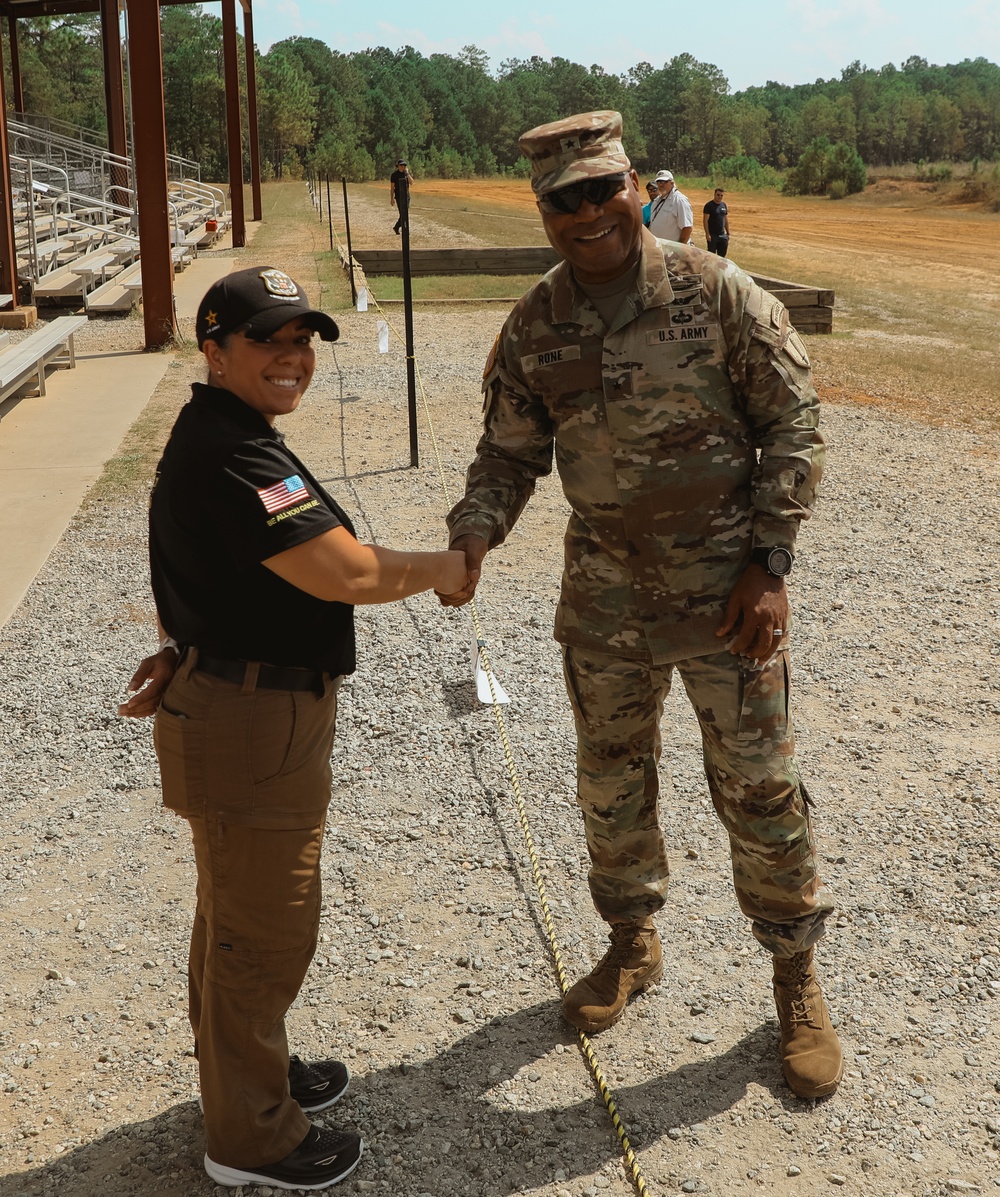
{"x": 114, "y": 81}
{"x": 17, "y": 84}
{"x": 234, "y": 132}
{"x": 145, "y": 63}
{"x": 8, "y": 252}
{"x": 252, "y": 111}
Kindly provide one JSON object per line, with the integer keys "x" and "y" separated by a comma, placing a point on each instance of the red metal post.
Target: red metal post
{"x": 145, "y": 63}
{"x": 15, "y": 65}
{"x": 234, "y": 134}
{"x": 252, "y": 109}
{"x": 8, "y": 252}
{"x": 114, "y": 82}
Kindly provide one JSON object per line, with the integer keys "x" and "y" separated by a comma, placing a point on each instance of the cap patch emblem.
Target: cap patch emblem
{"x": 276, "y": 282}
{"x": 211, "y": 321}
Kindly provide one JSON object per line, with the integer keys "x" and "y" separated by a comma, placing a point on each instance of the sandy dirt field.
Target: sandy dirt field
{"x": 915, "y": 277}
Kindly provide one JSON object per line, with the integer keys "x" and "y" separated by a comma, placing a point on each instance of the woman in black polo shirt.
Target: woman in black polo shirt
{"x": 255, "y": 571}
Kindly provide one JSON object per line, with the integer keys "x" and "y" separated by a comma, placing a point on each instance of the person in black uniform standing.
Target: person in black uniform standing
{"x": 400, "y": 182}
{"x": 255, "y": 571}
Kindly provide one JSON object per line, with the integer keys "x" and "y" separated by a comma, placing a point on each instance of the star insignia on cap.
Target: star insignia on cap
{"x": 211, "y": 318}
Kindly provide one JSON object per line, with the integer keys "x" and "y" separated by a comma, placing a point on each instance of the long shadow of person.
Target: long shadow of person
{"x": 446, "y": 1126}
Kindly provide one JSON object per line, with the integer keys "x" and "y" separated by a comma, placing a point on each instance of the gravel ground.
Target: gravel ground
{"x": 433, "y": 978}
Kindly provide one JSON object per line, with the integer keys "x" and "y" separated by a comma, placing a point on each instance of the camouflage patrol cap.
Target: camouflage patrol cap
{"x": 579, "y": 147}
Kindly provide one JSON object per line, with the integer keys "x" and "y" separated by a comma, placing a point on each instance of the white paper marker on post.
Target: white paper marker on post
{"x": 363, "y": 299}
{"x": 483, "y": 691}
{"x": 383, "y": 337}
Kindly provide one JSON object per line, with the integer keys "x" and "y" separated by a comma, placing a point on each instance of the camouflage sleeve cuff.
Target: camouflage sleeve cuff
{"x": 474, "y": 525}
{"x": 770, "y": 532}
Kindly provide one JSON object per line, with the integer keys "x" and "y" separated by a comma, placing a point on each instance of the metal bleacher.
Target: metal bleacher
{"x": 76, "y": 223}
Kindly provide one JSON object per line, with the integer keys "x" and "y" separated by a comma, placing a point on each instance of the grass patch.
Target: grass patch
{"x": 131, "y": 469}
{"x": 459, "y": 286}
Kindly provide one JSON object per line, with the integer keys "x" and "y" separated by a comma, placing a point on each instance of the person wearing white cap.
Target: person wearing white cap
{"x": 670, "y": 217}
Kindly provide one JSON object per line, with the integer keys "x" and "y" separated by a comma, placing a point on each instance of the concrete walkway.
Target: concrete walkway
{"x": 52, "y": 450}
{"x": 53, "y": 447}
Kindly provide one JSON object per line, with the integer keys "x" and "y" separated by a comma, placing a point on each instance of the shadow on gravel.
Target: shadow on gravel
{"x": 459, "y": 699}
{"x": 449, "y": 1119}
{"x": 400, "y": 469}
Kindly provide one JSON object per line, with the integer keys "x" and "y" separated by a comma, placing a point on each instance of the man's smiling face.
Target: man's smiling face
{"x": 600, "y": 241}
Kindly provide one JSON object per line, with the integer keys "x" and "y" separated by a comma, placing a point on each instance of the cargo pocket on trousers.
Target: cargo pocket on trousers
{"x": 271, "y": 734}
{"x": 764, "y": 710}
{"x": 177, "y": 740}
{"x": 297, "y": 729}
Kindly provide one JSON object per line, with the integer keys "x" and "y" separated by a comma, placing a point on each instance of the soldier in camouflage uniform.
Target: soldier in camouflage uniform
{"x": 679, "y": 403}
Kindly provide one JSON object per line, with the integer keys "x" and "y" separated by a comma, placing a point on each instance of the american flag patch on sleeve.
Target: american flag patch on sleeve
{"x": 283, "y": 494}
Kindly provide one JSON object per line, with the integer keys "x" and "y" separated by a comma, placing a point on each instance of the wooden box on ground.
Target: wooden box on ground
{"x": 811, "y": 308}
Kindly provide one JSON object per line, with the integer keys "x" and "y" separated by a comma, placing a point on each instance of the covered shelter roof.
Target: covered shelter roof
{"x": 149, "y": 151}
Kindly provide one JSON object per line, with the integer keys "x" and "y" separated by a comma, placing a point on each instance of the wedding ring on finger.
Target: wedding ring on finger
{"x": 777, "y": 633}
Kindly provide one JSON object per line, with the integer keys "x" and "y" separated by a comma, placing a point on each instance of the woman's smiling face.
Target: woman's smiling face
{"x": 270, "y": 375}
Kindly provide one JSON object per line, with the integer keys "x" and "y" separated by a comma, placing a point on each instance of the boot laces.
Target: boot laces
{"x": 799, "y": 1006}
{"x": 799, "y": 1010}
{"x": 623, "y": 938}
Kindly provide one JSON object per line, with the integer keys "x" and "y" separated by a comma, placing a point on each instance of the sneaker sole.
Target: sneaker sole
{"x": 594, "y": 1028}
{"x": 223, "y": 1175}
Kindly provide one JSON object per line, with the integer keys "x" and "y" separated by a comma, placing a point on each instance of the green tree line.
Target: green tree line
{"x": 451, "y": 115}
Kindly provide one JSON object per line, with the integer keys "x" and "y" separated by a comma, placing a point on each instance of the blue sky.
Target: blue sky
{"x": 791, "y": 41}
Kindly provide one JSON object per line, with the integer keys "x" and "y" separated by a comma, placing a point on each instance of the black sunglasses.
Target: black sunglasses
{"x": 595, "y": 191}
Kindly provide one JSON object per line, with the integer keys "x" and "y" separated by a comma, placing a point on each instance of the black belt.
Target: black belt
{"x": 269, "y": 677}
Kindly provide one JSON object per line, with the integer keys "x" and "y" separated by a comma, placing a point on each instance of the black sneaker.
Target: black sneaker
{"x": 317, "y": 1086}
{"x": 314, "y": 1086}
{"x": 322, "y": 1158}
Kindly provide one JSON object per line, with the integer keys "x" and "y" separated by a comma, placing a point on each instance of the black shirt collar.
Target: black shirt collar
{"x": 228, "y": 404}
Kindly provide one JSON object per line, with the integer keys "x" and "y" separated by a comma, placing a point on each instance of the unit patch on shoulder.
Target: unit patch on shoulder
{"x": 276, "y": 282}
{"x": 551, "y": 357}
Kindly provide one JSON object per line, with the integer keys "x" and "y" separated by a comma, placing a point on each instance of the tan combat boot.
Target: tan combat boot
{"x": 632, "y": 963}
{"x": 811, "y": 1058}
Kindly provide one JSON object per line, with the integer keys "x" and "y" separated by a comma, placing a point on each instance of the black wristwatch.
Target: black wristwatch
{"x": 777, "y": 562}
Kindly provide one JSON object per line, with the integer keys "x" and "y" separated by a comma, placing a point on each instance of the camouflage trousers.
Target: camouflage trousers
{"x": 748, "y": 745}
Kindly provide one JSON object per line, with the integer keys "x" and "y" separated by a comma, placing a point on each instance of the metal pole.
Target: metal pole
{"x": 8, "y": 243}
{"x": 403, "y": 201}
{"x": 234, "y": 125}
{"x": 350, "y": 253}
{"x": 319, "y": 192}
{"x": 15, "y": 64}
{"x": 150, "y": 150}
{"x": 329, "y": 210}
{"x": 252, "y": 122}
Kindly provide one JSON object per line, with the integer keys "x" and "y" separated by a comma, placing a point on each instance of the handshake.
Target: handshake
{"x": 461, "y": 574}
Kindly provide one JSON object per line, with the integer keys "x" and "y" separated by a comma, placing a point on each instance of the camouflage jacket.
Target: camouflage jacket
{"x": 685, "y": 434}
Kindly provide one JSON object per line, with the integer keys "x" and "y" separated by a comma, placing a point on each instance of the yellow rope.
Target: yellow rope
{"x": 536, "y": 868}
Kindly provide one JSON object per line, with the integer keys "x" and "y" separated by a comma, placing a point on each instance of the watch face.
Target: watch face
{"x": 779, "y": 562}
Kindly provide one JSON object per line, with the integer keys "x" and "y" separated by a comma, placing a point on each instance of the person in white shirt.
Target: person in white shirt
{"x": 670, "y": 216}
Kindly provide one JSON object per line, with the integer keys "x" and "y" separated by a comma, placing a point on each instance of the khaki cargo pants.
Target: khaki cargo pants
{"x": 747, "y": 742}
{"x": 250, "y": 771}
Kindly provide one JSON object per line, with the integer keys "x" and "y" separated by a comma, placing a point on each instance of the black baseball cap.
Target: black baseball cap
{"x": 400, "y": 161}
{"x": 257, "y": 301}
